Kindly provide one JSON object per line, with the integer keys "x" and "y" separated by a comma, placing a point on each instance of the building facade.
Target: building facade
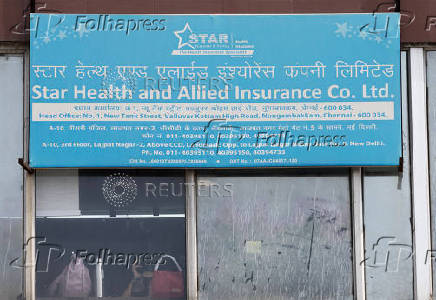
{"x": 273, "y": 233}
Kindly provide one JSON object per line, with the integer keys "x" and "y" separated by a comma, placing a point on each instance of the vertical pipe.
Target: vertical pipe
{"x": 358, "y": 233}
{"x": 99, "y": 276}
{"x": 420, "y": 176}
{"x": 29, "y": 197}
{"x": 191, "y": 235}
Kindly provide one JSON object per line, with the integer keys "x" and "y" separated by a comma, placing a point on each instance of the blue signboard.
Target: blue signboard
{"x": 215, "y": 90}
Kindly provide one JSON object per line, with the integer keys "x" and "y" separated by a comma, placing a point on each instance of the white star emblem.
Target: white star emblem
{"x": 178, "y": 33}
{"x": 342, "y": 29}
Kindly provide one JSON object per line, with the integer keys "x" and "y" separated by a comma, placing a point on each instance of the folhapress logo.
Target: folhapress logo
{"x": 193, "y": 43}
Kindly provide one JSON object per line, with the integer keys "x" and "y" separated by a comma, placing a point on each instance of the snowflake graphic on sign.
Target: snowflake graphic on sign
{"x": 380, "y": 30}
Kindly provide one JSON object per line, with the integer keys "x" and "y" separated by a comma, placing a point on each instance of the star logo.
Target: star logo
{"x": 185, "y": 32}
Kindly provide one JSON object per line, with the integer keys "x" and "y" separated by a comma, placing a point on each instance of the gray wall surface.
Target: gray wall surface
{"x": 11, "y": 181}
{"x": 431, "y": 84}
{"x": 387, "y": 218}
{"x": 57, "y": 193}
